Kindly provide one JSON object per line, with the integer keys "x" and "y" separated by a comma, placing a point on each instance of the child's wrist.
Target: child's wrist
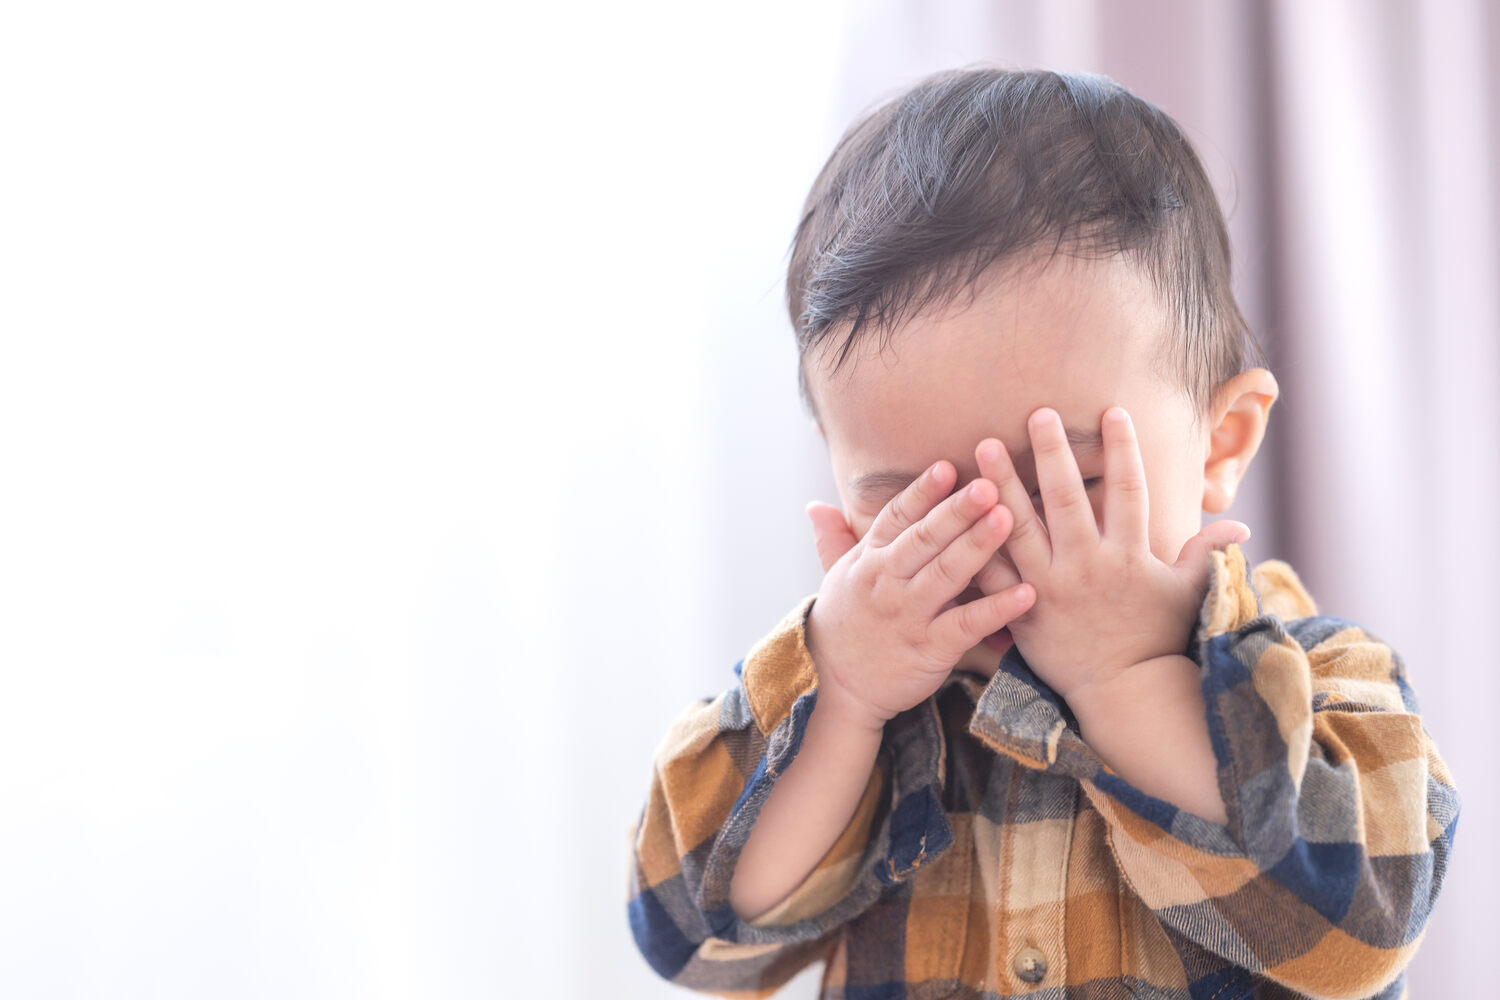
{"x": 842, "y": 710}
{"x": 1149, "y": 679}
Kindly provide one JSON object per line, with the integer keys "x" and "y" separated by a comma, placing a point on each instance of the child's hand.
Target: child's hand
{"x": 1104, "y": 602}
{"x": 886, "y": 628}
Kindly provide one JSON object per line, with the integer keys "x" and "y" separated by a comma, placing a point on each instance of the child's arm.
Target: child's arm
{"x": 886, "y": 633}
{"x": 1149, "y": 727}
{"x": 712, "y": 773}
{"x": 884, "y": 636}
{"x": 807, "y": 810}
{"x": 1317, "y": 858}
{"x": 1340, "y": 810}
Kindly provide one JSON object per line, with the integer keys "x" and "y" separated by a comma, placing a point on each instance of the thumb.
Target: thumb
{"x": 831, "y": 533}
{"x": 1194, "y": 556}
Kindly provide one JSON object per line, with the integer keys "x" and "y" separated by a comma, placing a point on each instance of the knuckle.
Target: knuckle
{"x": 935, "y": 641}
{"x": 1053, "y": 446}
{"x": 922, "y": 533}
{"x": 1062, "y": 497}
{"x": 973, "y": 618}
{"x": 986, "y": 534}
{"x": 944, "y": 569}
{"x": 896, "y": 515}
{"x": 1024, "y": 529}
{"x": 864, "y": 579}
{"x": 882, "y": 597}
{"x": 961, "y": 620}
{"x": 1003, "y": 477}
{"x": 974, "y": 542}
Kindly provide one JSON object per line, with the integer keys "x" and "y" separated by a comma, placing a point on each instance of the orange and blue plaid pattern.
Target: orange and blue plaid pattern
{"x": 995, "y": 855}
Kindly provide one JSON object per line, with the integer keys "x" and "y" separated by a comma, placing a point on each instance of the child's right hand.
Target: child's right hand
{"x": 886, "y": 628}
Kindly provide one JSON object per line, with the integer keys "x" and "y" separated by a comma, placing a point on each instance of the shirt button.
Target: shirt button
{"x": 1030, "y": 965}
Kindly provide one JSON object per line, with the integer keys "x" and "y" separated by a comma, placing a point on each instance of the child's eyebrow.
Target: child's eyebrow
{"x": 873, "y": 487}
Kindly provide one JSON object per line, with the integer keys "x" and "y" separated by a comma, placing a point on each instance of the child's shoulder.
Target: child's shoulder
{"x": 1252, "y": 612}
{"x": 1237, "y": 595}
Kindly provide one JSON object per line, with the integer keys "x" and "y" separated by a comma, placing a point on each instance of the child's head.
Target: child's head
{"x": 990, "y": 242}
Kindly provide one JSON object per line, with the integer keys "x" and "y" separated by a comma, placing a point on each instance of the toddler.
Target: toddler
{"x": 1039, "y": 731}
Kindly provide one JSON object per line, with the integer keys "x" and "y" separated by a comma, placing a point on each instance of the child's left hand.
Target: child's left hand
{"x": 1104, "y": 602}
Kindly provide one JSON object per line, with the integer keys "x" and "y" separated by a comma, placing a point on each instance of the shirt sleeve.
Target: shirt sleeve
{"x": 711, "y": 774}
{"x": 1341, "y": 812}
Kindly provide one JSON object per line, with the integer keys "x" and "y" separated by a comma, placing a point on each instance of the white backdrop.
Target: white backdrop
{"x": 398, "y": 427}
{"x": 359, "y": 393}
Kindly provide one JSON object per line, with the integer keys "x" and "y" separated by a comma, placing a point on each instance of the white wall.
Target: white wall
{"x": 359, "y": 390}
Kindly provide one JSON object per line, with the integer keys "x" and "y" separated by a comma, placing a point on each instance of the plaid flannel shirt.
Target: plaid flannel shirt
{"x": 995, "y": 855}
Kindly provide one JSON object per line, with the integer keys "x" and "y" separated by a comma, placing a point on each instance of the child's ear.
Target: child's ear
{"x": 1237, "y": 422}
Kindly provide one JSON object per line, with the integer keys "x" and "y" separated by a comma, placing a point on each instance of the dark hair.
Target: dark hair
{"x": 978, "y": 166}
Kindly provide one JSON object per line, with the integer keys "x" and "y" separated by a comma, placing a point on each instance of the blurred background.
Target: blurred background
{"x": 398, "y": 428}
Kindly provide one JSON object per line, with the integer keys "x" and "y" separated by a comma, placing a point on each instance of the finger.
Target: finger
{"x": 960, "y": 629}
{"x": 1028, "y": 545}
{"x": 1070, "y": 516}
{"x": 926, "y": 540}
{"x": 1126, "y": 506}
{"x": 911, "y": 504}
{"x": 949, "y": 574}
{"x": 997, "y": 573}
{"x": 1193, "y": 561}
{"x": 832, "y": 536}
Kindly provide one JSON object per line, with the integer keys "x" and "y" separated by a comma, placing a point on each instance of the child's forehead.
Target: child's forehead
{"x": 1030, "y": 311}
{"x": 1078, "y": 338}
{"x": 924, "y": 379}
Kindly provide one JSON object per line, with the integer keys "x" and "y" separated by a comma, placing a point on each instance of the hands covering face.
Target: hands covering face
{"x": 1083, "y": 604}
{"x": 1104, "y": 601}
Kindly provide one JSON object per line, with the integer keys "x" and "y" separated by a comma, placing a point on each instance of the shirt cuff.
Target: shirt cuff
{"x": 901, "y": 808}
